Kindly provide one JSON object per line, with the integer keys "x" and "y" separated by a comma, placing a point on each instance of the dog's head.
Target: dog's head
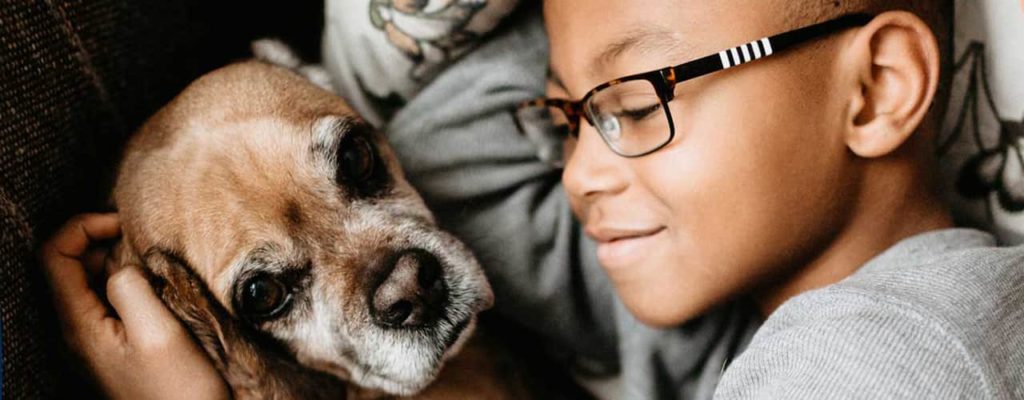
{"x": 294, "y": 215}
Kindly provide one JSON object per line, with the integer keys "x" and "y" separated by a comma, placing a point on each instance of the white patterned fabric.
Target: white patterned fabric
{"x": 981, "y": 143}
{"x": 381, "y": 52}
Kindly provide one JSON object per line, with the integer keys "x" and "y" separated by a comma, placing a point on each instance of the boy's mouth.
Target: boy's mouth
{"x": 609, "y": 235}
{"x": 619, "y": 248}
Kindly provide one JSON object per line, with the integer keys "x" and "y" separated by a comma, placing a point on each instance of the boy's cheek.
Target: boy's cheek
{"x": 676, "y": 290}
{"x": 662, "y": 291}
{"x": 577, "y": 207}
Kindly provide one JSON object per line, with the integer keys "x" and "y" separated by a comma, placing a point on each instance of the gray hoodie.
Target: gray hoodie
{"x": 459, "y": 145}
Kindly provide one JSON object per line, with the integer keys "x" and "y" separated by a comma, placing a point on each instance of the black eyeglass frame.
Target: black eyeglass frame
{"x": 665, "y": 80}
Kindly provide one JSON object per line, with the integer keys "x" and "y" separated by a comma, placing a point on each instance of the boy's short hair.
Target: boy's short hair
{"x": 938, "y": 14}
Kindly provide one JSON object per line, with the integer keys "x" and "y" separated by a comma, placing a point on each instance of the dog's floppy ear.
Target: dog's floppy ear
{"x": 252, "y": 370}
{"x": 191, "y": 301}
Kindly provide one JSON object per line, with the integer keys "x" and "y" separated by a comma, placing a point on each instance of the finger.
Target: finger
{"x": 94, "y": 261}
{"x": 75, "y": 236}
{"x": 114, "y": 263}
{"x": 75, "y": 302}
{"x": 145, "y": 317}
{"x": 77, "y": 305}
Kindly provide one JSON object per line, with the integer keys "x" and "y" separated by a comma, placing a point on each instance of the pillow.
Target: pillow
{"x": 380, "y": 53}
{"x": 981, "y": 144}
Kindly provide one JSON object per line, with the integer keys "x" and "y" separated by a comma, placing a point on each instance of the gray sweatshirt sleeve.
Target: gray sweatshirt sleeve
{"x": 459, "y": 146}
{"x": 846, "y": 345}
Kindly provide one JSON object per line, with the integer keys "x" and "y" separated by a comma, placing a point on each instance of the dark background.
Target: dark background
{"x": 76, "y": 79}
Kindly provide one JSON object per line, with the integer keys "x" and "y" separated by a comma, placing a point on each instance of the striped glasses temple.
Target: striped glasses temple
{"x": 750, "y": 51}
{"x": 766, "y": 46}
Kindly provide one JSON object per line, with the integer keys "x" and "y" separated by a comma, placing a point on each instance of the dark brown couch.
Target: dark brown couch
{"x": 76, "y": 78}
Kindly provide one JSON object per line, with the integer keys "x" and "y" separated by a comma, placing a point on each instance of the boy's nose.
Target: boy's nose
{"x": 593, "y": 169}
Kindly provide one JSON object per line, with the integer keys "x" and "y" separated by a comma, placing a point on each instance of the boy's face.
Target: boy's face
{"x": 751, "y": 186}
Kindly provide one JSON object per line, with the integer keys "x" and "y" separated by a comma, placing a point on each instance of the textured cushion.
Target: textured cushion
{"x": 1, "y": 355}
{"x": 76, "y": 77}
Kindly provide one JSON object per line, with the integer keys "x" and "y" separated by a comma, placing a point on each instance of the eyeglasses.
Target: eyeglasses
{"x": 631, "y": 113}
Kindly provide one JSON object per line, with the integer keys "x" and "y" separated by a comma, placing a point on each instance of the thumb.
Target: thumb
{"x": 146, "y": 319}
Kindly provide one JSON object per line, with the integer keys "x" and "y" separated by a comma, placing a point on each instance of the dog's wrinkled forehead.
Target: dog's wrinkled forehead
{"x": 247, "y": 155}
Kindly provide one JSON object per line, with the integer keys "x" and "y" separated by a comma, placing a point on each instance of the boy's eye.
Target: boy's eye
{"x": 639, "y": 113}
{"x": 560, "y": 130}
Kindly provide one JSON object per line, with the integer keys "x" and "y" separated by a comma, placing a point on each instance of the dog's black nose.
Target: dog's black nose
{"x": 412, "y": 293}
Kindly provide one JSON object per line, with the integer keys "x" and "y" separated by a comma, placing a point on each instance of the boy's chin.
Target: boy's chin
{"x": 663, "y": 310}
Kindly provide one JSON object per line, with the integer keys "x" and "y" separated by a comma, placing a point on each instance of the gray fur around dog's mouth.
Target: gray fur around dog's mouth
{"x": 403, "y": 360}
{"x": 452, "y": 340}
{"x": 456, "y": 333}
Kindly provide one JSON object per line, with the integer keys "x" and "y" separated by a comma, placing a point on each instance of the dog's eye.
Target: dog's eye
{"x": 356, "y": 160}
{"x": 264, "y": 297}
{"x": 361, "y": 171}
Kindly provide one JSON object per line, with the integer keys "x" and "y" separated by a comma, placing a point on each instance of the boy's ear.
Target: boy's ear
{"x": 893, "y": 64}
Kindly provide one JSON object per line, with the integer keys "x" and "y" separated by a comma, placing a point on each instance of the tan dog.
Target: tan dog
{"x": 278, "y": 226}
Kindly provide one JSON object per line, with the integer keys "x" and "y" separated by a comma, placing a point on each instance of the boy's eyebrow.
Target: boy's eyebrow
{"x": 555, "y": 79}
{"x": 643, "y": 39}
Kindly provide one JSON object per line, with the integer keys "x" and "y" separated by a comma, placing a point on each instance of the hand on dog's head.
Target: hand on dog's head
{"x": 282, "y": 231}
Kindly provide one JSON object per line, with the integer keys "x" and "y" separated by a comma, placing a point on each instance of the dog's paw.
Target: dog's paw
{"x": 317, "y": 74}
{"x": 475, "y": 3}
{"x": 276, "y": 52}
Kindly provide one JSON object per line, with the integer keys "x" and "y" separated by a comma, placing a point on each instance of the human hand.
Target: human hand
{"x": 142, "y": 351}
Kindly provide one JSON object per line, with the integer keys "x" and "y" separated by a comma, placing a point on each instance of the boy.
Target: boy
{"x": 803, "y": 181}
